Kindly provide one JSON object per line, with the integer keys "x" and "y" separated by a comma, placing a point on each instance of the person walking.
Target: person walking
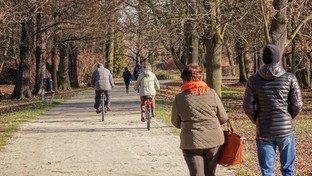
{"x": 199, "y": 113}
{"x": 102, "y": 81}
{"x": 147, "y": 84}
{"x": 272, "y": 100}
{"x": 127, "y": 78}
{"x": 137, "y": 70}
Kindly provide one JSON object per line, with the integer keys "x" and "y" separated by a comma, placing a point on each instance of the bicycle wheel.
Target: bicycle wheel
{"x": 148, "y": 116}
{"x": 103, "y": 107}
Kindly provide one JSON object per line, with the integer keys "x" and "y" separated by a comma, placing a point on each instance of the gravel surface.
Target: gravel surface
{"x": 72, "y": 140}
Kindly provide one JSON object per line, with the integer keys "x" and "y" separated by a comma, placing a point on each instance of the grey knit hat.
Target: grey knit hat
{"x": 271, "y": 54}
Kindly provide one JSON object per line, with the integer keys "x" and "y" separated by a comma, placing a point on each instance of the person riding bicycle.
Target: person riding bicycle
{"x": 102, "y": 81}
{"x": 147, "y": 84}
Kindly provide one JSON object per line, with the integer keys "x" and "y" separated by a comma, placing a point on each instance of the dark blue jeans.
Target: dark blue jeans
{"x": 98, "y": 98}
{"x": 267, "y": 154}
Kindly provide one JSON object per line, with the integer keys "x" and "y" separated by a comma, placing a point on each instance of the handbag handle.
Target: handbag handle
{"x": 229, "y": 126}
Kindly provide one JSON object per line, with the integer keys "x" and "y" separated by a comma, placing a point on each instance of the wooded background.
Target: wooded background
{"x": 65, "y": 39}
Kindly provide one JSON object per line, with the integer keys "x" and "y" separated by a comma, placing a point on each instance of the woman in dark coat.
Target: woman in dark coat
{"x": 127, "y": 78}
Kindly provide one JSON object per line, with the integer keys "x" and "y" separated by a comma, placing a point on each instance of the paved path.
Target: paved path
{"x": 72, "y": 140}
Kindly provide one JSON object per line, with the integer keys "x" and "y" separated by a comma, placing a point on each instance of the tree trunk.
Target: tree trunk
{"x": 278, "y": 31}
{"x": 53, "y": 68}
{"x": 231, "y": 59}
{"x": 246, "y": 61}
{"x": 63, "y": 75}
{"x": 73, "y": 72}
{"x": 22, "y": 82}
{"x": 39, "y": 57}
{"x": 213, "y": 46}
{"x": 177, "y": 60}
{"x": 188, "y": 41}
{"x": 109, "y": 51}
{"x": 241, "y": 62}
{"x": 256, "y": 60}
{"x": 213, "y": 63}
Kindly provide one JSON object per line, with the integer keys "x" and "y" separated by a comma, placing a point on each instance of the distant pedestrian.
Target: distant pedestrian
{"x": 137, "y": 70}
{"x": 199, "y": 113}
{"x": 127, "y": 78}
{"x": 272, "y": 100}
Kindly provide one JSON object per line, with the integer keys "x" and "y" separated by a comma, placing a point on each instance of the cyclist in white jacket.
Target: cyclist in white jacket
{"x": 147, "y": 84}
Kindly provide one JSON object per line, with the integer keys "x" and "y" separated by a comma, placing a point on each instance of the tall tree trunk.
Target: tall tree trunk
{"x": 188, "y": 41}
{"x": 22, "y": 82}
{"x": 194, "y": 32}
{"x": 39, "y": 57}
{"x": 213, "y": 44}
{"x": 213, "y": 63}
{"x": 63, "y": 75}
{"x": 241, "y": 62}
{"x": 246, "y": 61}
{"x": 73, "y": 72}
{"x": 278, "y": 31}
{"x": 231, "y": 59}
{"x": 191, "y": 37}
{"x": 110, "y": 46}
{"x": 256, "y": 60}
{"x": 54, "y": 67}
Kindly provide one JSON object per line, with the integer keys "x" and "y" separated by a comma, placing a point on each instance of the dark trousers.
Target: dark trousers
{"x": 127, "y": 83}
{"x": 202, "y": 162}
{"x": 98, "y": 98}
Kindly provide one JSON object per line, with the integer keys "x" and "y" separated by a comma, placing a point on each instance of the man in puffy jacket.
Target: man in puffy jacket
{"x": 147, "y": 84}
{"x": 272, "y": 100}
{"x": 103, "y": 82}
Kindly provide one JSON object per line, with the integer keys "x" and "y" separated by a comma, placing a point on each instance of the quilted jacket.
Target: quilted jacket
{"x": 272, "y": 99}
{"x": 200, "y": 118}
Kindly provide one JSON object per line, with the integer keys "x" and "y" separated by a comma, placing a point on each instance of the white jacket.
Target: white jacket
{"x": 147, "y": 83}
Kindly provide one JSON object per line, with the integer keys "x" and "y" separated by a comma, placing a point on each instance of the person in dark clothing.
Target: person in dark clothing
{"x": 127, "y": 78}
{"x": 272, "y": 100}
{"x": 137, "y": 70}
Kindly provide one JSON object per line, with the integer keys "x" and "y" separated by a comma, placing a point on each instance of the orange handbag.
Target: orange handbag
{"x": 232, "y": 149}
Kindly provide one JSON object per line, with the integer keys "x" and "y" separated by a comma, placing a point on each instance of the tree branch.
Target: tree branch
{"x": 295, "y": 32}
{"x": 265, "y": 23}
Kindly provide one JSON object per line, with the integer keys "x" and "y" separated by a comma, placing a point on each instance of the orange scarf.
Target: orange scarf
{"x": 195, "y": 86}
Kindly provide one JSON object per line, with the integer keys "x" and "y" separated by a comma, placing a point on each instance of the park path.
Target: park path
{"x": 71, "y": 140}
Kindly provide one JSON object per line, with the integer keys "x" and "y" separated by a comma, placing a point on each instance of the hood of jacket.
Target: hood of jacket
{"x": 147, "y": 73}
{"x": 271, "y": 71}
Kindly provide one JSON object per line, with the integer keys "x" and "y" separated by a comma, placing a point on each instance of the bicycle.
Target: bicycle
{"x": 103, "y": 107}
{"x": 148, "y": 110}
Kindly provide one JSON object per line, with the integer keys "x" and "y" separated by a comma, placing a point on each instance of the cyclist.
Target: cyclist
{"x": 147, "y": 84}
{"x": 102, "y": 81}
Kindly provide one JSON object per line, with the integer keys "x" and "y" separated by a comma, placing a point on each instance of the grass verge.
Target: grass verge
{"x": 25, "y": 111}
{"x": 12, "y": 121}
